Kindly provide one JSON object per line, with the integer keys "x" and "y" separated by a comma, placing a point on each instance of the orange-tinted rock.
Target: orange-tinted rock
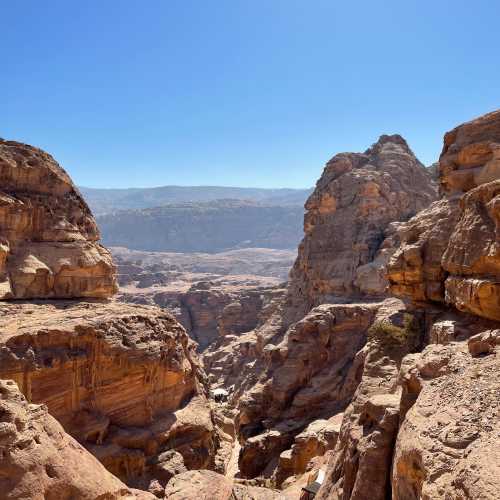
{"x": 124, "y": 380}
{"x": 450, "y": 252}
{"x": 311, "y": 374}
{"x": 356, "y": 198}
{"x": 38, "y": 460}
{"x": 314, "y": 441}
{"x": 471, "y": 154}
{"x": 415, "y": 269}
{"x": 48, "y": 236}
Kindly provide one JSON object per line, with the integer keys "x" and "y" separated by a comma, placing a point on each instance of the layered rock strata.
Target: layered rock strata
{"x": 430, "y": 431}
{"x": 124, "y": 380}
{"x": 450, "y": 252}
{"x": 48, "y": 236}
{"x": 38, "y": 460}
{"x": 341, "y": 256}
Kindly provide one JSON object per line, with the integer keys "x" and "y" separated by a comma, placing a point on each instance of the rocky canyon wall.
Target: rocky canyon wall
{"x": 308, "y": 361}
{"x": 431, "y": 432}
{"x": 123, "y": 380}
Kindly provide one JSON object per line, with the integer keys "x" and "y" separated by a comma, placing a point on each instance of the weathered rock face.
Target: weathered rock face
{"x": 38, "y": 460}
{"x": 471, "y": 154}
{"x": 356, "y": 198}
{"x": 124, "y": 380}
{"x": 48, "y": 236}
{"x": 361, "y": 463}
{"x": 318, "y": 437}
{"x": 415, "y": 269}
{"x": 311, "y": 374}
{"x": 448, "y": 446}
{"x": 450, "y": 252}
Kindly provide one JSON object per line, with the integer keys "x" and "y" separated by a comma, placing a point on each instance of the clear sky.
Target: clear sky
{"x": 239, "y": 92}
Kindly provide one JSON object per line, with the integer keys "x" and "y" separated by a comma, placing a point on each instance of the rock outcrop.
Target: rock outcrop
{"x": 308, "y": 363}
{"x": 429, "y": 430}
{"x": 48, "y": 236}
{"x": 471, "y": 154}
{"x": 348, "y": 215}
{"x": 450, "y": 252}
{"x": 361, "y": 463}
{"x": 448, "y": 446}
{"x": 38, "y": 460}
{"x": 124, "y": 380}
{"x": 208, "y": 485}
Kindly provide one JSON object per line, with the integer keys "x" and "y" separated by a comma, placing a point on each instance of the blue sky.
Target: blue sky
{"x": 231, "y": 92}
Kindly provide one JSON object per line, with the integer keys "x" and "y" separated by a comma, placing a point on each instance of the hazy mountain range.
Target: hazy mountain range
{"x": 103, "y": 201}
{"x": 213, "y": 226}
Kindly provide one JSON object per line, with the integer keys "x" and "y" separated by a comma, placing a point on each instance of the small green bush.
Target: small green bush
{"x": 388, "y": 333}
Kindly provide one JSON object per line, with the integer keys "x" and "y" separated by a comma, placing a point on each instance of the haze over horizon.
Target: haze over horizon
{"x": 235, "y": 93}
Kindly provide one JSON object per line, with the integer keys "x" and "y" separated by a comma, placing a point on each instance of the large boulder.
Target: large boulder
{"x": 48, "y": 237}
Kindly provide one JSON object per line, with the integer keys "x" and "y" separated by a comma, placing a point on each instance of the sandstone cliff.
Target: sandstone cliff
{"x": 39, "y": 461}
{"x": 303, "y": 364}
{"x": 429, "y": 429}
{"x": 48, "y": 237}
{"x": 123, "y": 380}
{"x": 450, "y": 252}
{"x": 358, "y": 359}
{"x": 341, "y": 256}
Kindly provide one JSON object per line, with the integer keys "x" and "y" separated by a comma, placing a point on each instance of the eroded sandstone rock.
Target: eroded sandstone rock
{"x": 124, "y": 380}
{"x": 48, "y": 236}
{"x": 356, "y": 198}
{"x": 208, "y": 485}
{"x": 360, "y": 466}
{"x": 448, "y": 444}
{"x": 471, "y": 154}
{"x": 450, "y": 252}
{"x": 311, "y": 374}
{"x": 39, "y": 461}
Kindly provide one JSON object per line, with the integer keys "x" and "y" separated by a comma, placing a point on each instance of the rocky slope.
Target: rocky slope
{"x": 48, "y": 237}
{"x": 209, "y": 227}
{"x": 303, "y": 365}
{"x": 431, "y": 432}
{"x": 123, "y": 380}
{"x": 106, "y": 370}
{"x": 362, "y": 358}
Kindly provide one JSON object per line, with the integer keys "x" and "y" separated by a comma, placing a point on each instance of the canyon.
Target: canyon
{"x": 372, "y": 373}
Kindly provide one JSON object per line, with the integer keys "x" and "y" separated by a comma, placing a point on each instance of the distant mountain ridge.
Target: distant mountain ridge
{"x": 213, "y": 226}
{"x": 103, "y": 201}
